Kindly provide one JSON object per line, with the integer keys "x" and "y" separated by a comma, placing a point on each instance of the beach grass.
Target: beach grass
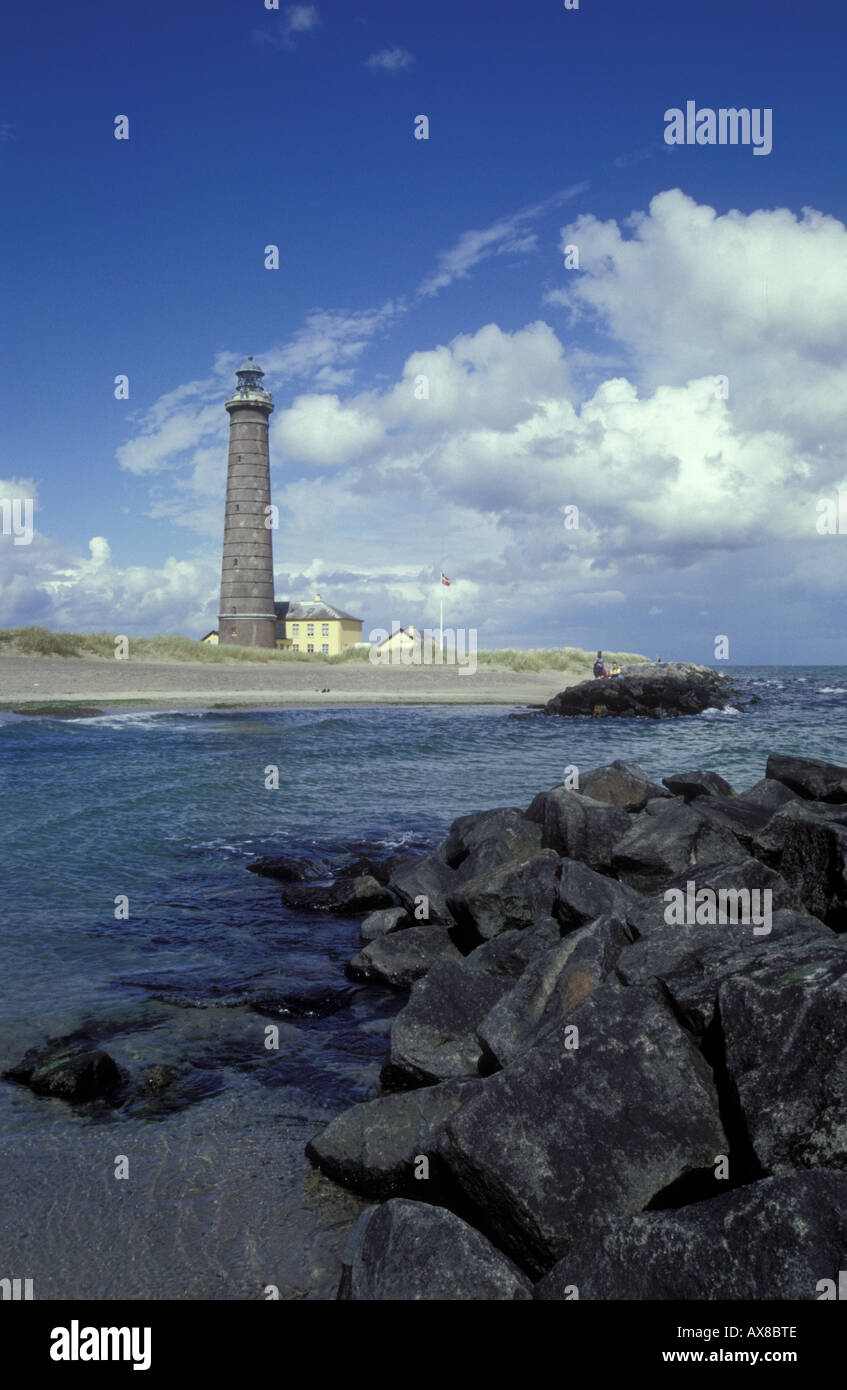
{"x": 40, "y": 641}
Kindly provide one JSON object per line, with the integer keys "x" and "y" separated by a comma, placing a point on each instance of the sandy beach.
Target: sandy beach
{"x": 38, "y": 680}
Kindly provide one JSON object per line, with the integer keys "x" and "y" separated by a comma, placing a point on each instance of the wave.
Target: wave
{"x": 730, "y": 709}
{"x": 833, "y": 690}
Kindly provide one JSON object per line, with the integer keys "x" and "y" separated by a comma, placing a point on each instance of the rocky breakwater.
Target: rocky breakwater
{"x": 645, "y": 691}
{"x": 620, "y": 1071}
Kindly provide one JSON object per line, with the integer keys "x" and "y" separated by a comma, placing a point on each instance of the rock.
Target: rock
{"x": 507, "y": 825}
{"x": 814, "y": 862}
{"x": 585, "y": 895}
{"x": 577, "y": 827}
{"x": 811, "y": 778}
{"x": 563, "y": 1138}
{"x": 386, "y": 919}
{"x": 160, "y": 1078}
{"x": 743, "y": 819}
{"x": 434, "y": 1037}
{"x": 769, "y": 842}
{"x": 774, "y": 1239}
{"x": 345, "y": 896}
{"x": 654, "y": 917}
{"x": 692, "y": 962}
{"x": 514, "y": 896}
{"x": 772, "y": 796}
{"x": 367, "y": 865}
{"x": 76, "y": 1073}
{"x": 621, "y": 784}
{"x": 690, "y": 785}
{"x": 407, "y": 1251}
{"x": 286, "y": 868}
{"x": 785, "y": 1039}
{"x": 510, "y": 953}
{"x": 646, "y": 691}
{"x": 549, "y": 990}
{"x": 498, "y": 853}
{"x": 314, "y": 1003}
{"x": 400, "y": 958}
{"x": 666, "y": 839}
{"x": 373, "y": 1147}
{"x": 428, "y": 876}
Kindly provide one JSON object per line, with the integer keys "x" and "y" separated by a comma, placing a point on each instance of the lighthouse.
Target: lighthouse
{"x": 247, "y": 616}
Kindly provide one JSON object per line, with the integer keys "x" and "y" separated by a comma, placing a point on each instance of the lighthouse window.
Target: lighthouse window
{"x": 238, "y": 506}
{"x": 235, "y": 562}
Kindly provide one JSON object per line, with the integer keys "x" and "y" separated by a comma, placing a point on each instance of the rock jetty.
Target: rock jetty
{"x": 620, "y": 1070}
{"x": 645, "y": 691}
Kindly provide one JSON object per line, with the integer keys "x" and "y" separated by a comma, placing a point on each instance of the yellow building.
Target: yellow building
{"x": 316, "y": 627}
{"x": 211, "y": 638}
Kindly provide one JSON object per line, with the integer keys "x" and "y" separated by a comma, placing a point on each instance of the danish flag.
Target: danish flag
{"x": 444, "y": 579}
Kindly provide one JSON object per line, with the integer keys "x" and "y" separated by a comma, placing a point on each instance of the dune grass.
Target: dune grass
{"x": 39, "y": 641}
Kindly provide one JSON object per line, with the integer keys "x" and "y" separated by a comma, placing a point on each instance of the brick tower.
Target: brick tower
{"x": 247, "y": 617}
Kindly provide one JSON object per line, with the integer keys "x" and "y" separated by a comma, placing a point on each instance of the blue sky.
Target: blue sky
{"x": 399, "y": 257}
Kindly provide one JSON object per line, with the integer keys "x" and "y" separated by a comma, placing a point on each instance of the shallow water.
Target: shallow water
{"x": 168, "y": 809}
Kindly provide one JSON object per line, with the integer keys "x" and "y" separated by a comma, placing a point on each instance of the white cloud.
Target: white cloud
{"x": 298, "y": 19}
{"x": 391, "y": 59}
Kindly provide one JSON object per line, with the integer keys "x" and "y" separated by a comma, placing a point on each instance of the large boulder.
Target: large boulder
{"x": 513, "y": 896}
{"x": 407, "y": 1251}
{"x": 769, "y": 842}
{"x": 428, "y": 876}
{"x": 569, "y": 1136}
{"x": 510, "y": 953}
{"x": 770, "y": 795}
{"x": 690, "y": 785}
{"x": 398, "y": 959}
{"x": 621, "y": 784}
{"x": 585, "y": 895}
{"x": 75, "y": 1072}
{"x": 374, "y": 1147}
{"x": 814, "y": 862}
{"x": 657, "y": 916}
{"x": 476, "y": 835}
{"x": 574, "y": 825}
{"x": 667, "y": 839}
{"x": 646, "y": 691}
{"x": 552, "y": 986}
{"x": 774, "y": 1239}
{"x": 743, "y": 819}
{"x": 434, "y": 1038}
{"x": 691, "y": 963}
{"x": 785, "y": 1039}
{"x": 811, "y": 778}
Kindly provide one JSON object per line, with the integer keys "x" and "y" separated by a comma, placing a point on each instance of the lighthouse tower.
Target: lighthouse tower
{"x": 247, "y": 616}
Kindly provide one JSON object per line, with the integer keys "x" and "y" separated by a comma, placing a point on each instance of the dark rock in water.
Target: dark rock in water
{"x": 770, "y": 795}
{"x": 367, "y": 865}
{"x": 344, "y": 896}
{"x": 621, "y": 784}
{"x": 287, "y": 869}
{"x": 646, "y": 691}
{"x": 814, "y": 861}
{"x": 574, "y": 825}
{"x": 76, "y": 1073}
{"x": 566, "y": 1137}
{"x": 386, "y": 919}
{"x": 692, "y": 962}
{"x": 318, "y": 1004}
{"x": 429, "y": 877}
{"x": 811, "y": 778}
{"x": 159, "y": 1078}
{"x": 510, "y": 953}
{"x": 435, "y": 1037}
{"x": 552, "y": 986}
{"x": 514, "y": 896}
{"x": 507, "y": 824}
{"x": 373, "y": 1147}
{"x": 690, "y": 785}
{"x": 666, "y": 839}
{"x": 585, "y": 895}
{"x": 775, "y": 1239}
{"x": 397, "y": 959}
{"x": 785, "y": 1039}
{"x": 409, "y": 1251}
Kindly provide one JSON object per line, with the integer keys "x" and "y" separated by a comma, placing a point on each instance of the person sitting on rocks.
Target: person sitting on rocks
{"x": 599, "y": 666}
{"x": 616, "y": 670}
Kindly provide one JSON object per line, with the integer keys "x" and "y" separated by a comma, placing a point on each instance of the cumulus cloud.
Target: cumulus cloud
{"x": 391, "y": 59}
